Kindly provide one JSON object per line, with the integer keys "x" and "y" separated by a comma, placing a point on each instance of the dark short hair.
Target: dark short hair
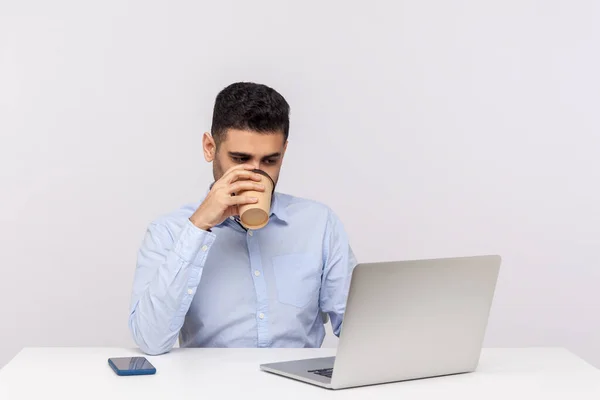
{"x": 250, "y": 106}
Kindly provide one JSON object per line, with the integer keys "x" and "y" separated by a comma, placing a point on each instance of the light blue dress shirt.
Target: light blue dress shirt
{"x": 235, "y": 288}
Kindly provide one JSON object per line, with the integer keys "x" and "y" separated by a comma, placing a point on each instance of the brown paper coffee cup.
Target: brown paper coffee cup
{"x": 256, "y": 216}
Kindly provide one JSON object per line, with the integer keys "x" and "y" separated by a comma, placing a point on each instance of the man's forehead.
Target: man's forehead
{"x": 238, "y": 135}
{"x": 256, "y": 144}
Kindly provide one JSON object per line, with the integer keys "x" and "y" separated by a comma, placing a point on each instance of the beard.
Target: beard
{"x": 217, "y": 169}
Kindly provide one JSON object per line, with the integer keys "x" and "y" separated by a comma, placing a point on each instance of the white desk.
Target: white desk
{"x": 202, "y": 374}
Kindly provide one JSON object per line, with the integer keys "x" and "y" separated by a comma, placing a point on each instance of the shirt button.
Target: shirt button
{"x": 232, "y": 218}
{"x": 190, "y": 291}
{"x": 250, "y": 233}
{"x": 257, "y": 273}
{"x": 204, "y": 248}
{"x": 261, "y": 316}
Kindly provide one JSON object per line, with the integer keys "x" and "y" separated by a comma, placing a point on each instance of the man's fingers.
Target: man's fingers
{"x": 245, "y": 185}
{"x": 241, "y": 200}
{"x": 243, "y": 174}
{"x": 232, "y": 170}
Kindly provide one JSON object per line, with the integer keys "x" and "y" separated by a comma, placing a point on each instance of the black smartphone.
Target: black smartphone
{"x": 124, "y": 366}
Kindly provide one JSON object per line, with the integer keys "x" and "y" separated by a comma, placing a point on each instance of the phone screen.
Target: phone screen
{"x": 131, "y": 363}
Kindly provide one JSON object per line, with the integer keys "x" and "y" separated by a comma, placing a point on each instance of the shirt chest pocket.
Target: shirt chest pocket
{"x": 297, "y": 278}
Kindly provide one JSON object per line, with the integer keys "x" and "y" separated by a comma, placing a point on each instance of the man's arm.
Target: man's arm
{"x": 169, "y": 265}
{"x": 166, "y": 278}
{"x": 338, "y": 264}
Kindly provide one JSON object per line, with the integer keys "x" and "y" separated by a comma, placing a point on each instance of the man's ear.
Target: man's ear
{"x": 209, "y": 147}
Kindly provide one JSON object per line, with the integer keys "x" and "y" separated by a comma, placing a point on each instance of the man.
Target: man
{"x": 203, "y": 277}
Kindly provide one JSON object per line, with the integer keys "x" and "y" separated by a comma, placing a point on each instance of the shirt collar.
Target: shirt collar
{"x": 277, "y": 207}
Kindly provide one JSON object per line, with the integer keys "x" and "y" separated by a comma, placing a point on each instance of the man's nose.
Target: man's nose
{"x": 255, "y": 164}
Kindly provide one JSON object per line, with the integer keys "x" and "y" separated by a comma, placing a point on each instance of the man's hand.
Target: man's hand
{"x": 222, "y": 202}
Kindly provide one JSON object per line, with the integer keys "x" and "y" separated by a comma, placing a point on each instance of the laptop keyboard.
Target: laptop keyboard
{"x": 323, "y": 372}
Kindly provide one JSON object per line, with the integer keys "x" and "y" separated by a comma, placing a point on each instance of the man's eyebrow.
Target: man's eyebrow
{"x": 238, "y": 154}
{"x": 246, "y": 155}
{"x": 272, "y": 155}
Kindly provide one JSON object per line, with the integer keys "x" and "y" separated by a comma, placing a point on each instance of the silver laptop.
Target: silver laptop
{"x": 406, "y": 320}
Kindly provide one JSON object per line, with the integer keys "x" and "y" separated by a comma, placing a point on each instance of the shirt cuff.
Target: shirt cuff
{"x": 193, "y": 244}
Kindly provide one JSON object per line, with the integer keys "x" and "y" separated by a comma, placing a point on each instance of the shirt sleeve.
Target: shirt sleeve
{"x": 338, "y": 263}
{"x": 166, "y": 278}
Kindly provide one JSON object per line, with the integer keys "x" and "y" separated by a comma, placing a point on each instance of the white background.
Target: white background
{"x": 432, "y": 128}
